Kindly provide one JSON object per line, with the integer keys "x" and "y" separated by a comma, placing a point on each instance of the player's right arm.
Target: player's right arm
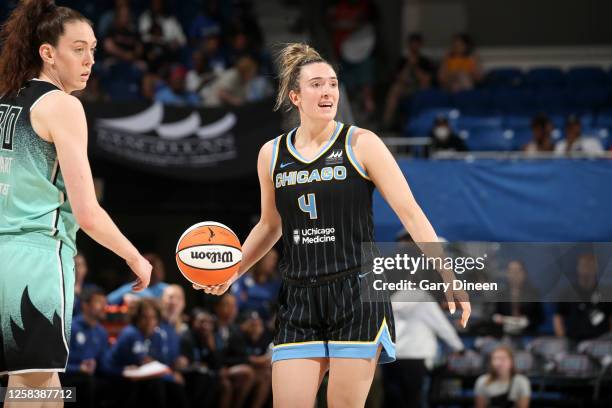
{"x": 59, "y": 118}
{"x": 266, "y": 232}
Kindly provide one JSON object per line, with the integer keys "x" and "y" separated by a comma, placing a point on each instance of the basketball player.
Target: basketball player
{"x": 46, "y": 188}
{"x": 316, "y": 193}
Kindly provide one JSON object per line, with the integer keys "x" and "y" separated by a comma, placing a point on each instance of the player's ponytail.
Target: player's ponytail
{"x": 31, "y": 24}
{"x": 290, "y": 60}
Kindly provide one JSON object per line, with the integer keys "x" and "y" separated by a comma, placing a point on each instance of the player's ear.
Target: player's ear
{"x": 47, "y": 53}
{"x": 294, "y": 97}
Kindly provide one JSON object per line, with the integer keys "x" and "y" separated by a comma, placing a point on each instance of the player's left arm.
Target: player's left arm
{"x": 380, "y": 165}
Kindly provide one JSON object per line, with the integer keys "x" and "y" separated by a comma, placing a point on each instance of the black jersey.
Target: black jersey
{"x": 325, "y": 205}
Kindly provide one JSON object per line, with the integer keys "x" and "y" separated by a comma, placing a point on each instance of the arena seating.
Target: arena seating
{"x": 497, "y": 115}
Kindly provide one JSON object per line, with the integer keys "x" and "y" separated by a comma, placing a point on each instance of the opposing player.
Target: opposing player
{"x": 46, "y": 188}
{"x": 316, "y": 193}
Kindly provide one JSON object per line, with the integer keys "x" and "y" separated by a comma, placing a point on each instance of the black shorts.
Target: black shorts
{"x": 333, "y": 318}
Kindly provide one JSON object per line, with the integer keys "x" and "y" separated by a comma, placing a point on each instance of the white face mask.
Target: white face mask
{"x": 442, "y": 133}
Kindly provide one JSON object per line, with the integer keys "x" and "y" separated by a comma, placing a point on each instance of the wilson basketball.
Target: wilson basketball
{"x": 208, "y": 253}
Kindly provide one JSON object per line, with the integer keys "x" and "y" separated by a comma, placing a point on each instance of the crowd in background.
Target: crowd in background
{"x": 218, "y": 352}
{"x": 192, "y": 53}
{"x": 213, "y": 53}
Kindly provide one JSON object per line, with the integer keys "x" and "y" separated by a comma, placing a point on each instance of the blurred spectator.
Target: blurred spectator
{"x": 415, "y": 72}
{"x": 173, "y": 306}
{"x": 143, "y": 342}
{"x": 502, "y": 386}
{"x": 231, "y": 346}
{"x": 107, "y": 18}
{"x": 444, "y": 139}
{"x": 237, "y": 85}
{"x": 200, "y": 75}
{"x": 541, "y": 128}
{"x": 172, "y": 32}
{"x": 244, "y": 20}
{"x": 583, "y": 315}
{"x": 155, "y": 50}
{"x": 172, "y": 326}
{"x": 257, "y": 289}
{"x": 207, "y": 384}
{"x": 460, "y": 69}
{"x": 239, "y": 46}
{"x": 174, "y": 91}
{"x": 354, "y": 39}
{"x": 258, "y": 347}
{"x": 523, "y": 313}
{"x": 156, "y": 56}
{"x": 575, "y": 141}
{"x": 122, "y": 43}
{"x": 88, "y": 343}
{"x": 125, "y": 295}
{"x": 206, "y": 23}
{"x": 81, "y": 269}
{"x": 214, "y": 54}
{"x": 419, "y": 322}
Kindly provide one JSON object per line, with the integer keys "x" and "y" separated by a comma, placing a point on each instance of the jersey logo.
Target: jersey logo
{"x": 296, "y": 236}
{"x": 283, "y": 165}
{"x": 335, "y": 157}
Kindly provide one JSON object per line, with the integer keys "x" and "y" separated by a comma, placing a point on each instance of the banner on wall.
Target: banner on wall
{"x": 527, "y": 200}
{"x": 182, "y": 142}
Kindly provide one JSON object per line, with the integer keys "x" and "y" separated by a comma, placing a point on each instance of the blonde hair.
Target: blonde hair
{"x": 290, "y": 60}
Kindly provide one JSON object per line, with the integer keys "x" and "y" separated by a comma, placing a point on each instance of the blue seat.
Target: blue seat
{"x": 467, "y": 122}
{"x": 545, "y": 77}
{"x": 473, "y": 102}
{"x": 504, "y": 78}
{"x": 124, "y": 91}
{"x": 591, "y": 98}
{"x": 517, "y": 121}
{"x": 553, "y": 101}
{"x": 122, "y": 82}
{"x": 558, "y": 121}
{"x": 520, "y": 137}
{"x": 513, "y": 101}
{"x": 430, "y": 98}
{"x": 586, "y": 76}
{"x": 488, "y": 139}
{"x": 604, "y": 118}
{"x": 421, "y": 123}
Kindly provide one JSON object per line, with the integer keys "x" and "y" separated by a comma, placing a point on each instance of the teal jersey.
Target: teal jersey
{"x": 33, "y": 200}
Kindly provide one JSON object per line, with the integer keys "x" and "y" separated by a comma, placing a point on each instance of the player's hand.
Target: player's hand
{"x": 217, "y": 290}
{"x": 459, "y": 296}
{"x": 142, "y": 269}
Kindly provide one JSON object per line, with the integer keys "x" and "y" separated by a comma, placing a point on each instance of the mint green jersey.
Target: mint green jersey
{"x": 33, "y": 200}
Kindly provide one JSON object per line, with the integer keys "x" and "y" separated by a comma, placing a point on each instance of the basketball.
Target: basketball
{"x": 208, "y": 253}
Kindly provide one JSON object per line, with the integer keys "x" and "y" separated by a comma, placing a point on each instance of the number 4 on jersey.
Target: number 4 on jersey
{"x": 309, "y": 206}
{"x": 8, "y": 121}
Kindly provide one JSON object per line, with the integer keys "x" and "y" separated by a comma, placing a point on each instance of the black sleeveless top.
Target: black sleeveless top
{"x": 325, "y": 205}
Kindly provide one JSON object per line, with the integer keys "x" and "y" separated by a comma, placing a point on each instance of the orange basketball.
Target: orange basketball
{"x": 208, "y": 253}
